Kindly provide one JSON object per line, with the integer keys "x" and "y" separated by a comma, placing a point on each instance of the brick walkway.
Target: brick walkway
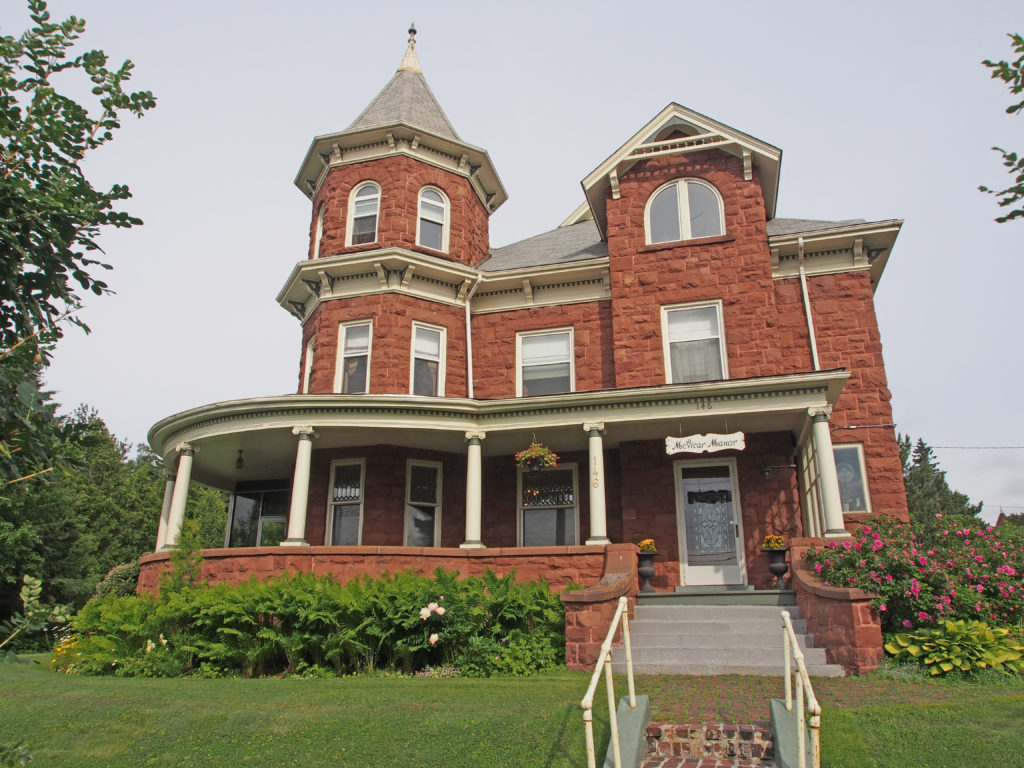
{"x": 679, "y": 762}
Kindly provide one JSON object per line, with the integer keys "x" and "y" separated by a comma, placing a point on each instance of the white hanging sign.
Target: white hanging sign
{"x": 708, "y": 443}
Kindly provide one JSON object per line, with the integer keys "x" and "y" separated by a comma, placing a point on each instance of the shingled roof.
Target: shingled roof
{"x": 407, "y": 99}
{"x": 582, "y": 241}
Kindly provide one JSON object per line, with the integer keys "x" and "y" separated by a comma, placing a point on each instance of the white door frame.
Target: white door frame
{"x": 709, "y": 575}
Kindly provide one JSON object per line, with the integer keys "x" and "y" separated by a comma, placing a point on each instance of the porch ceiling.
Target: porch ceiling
{"x": 262, "y": 427}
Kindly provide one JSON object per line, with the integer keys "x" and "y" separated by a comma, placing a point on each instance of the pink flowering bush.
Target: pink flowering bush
{"x": 923, "y": 573}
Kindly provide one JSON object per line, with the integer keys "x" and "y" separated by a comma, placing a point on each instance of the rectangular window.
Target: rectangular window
{"x": 353, "y": 371}
{"x": 345, "y": 508}
{"x": 307, "y": 366}
{"x": 545, "y": 363}
{"x": 428, "y": 352}
{"x": 548, "y": 510}
{"x": 853, "y": 490}
{"x": 694, "y": 343}
{"x": 258, "y": 518}
{"x": 423, "y": 504}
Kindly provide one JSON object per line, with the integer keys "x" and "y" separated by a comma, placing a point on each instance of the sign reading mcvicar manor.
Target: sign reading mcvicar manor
{"x": 708, "y": 443}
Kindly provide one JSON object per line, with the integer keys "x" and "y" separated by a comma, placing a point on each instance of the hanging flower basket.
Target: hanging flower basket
{"x": 536, "y": 457}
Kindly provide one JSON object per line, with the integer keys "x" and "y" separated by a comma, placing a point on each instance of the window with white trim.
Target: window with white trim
{"x": 258, "y": 518}
{"x": 684, "y": 209}
{"x": 353, "y": 373}
{"x": 545, "y": 362}
{"x": 432, "y": 222}
{"x": 853, "y": 487}
{"x": 318, "y": 231}
{"x": 548, "y": 510}
{"x": 345, "y": 505}
{"x": 363, "y": 210}
{"x": 423, "y": 504}
{"x": 428, "y": 354}
{"x": 307, "y": 365}
{"x": 694, "y": 343}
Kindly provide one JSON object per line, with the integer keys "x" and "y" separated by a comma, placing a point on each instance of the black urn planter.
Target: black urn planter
{"x": 777, "y": 565}
{"x": 645, "y": 568}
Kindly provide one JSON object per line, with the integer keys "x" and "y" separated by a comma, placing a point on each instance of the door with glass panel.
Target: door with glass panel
{"x": 709, "y": 523}
{"x": 345, "y": 510}
{"x": 423, "y": 505}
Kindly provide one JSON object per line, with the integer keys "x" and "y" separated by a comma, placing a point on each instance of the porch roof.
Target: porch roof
{"x": 262, "y": 427}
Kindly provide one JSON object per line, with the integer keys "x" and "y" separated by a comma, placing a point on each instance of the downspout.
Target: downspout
{"x": 469, "y": 338}
{"x": 807, "y": 305}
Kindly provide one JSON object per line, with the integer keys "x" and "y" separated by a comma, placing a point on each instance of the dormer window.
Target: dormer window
{"x": 364, "y": 205}
{"x": 432, "y": 225}
{"x": 684, "y": 209}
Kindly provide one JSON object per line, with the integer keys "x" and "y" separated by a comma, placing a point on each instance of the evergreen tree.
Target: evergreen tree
{"x": 928, "y": 493}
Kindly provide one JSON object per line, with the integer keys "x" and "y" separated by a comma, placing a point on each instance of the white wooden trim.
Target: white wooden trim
{"x": 665, "y": 344}
{"x": 442, "y": 355}
{"x": 446, "y": 224}
{"x": 340, "y": 353}
{"x": 351, "y": 213}
{"x": 520, "y": 335}
{"x": 682, "y": 209}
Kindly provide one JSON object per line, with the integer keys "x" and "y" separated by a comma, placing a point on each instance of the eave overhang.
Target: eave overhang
{"x": 711, "y": 135}
{"x": 345, "y": 147}
{"x": 262, "y": 427}
{"x": 839, "y": 249}
{"x": 397, "y": 270}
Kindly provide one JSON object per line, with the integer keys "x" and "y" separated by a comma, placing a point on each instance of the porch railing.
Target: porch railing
{"x": 805, "y": 698}
{"x": 605, "y": 659}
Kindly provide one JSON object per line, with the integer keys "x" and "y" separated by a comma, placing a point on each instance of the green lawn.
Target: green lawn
{"x": 964, "y": 725}
{"x": 348, "y": 722}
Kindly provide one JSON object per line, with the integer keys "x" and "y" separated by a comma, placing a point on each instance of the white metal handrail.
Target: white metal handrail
{"x": 605, "y": 658}
{"x": 792, "y": 652}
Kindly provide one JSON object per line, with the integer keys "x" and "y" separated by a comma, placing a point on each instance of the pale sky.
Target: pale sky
{"x": 882, "y": 110}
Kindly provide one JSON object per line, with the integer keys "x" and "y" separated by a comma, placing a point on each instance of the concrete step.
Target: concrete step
{"x": 648, "y": 636}
{"x": 716, "y": 640}
{"x": 705, "y": 612}
{"x": 719, "y": 596}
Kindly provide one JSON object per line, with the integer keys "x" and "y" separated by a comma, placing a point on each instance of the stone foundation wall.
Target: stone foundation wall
{"x": 589, "y": 612}
{"x": 843, "y": 621}
{"x": 559, "y": 566}
{"x": 753, "y": 744}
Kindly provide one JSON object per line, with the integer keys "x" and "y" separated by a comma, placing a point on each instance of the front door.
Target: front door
{"x": 709, "y": 523}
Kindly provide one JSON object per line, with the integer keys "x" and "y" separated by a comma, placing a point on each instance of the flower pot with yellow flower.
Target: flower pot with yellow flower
{"x": 645, "y": 563}
{"x": 776, "y": 548}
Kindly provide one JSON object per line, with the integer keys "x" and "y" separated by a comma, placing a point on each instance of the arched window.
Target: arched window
{"x": 363, "y": 207}
{"x": 432, "y": 225}
{"x": 684, "y": 209}
{"x": 318, "y": 231}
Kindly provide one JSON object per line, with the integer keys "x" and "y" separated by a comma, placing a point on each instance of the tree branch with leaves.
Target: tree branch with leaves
{"x": 1011, "y": 73}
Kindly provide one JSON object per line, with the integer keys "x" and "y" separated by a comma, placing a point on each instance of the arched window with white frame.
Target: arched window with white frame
{"x": 363, "y": 213}
{"x": 432, "y": 222}
{"x": 318, "y": 230}
{"x": 684, "y": 209}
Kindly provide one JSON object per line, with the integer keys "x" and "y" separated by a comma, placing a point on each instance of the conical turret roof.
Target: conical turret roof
{"x": 407, "y": 99}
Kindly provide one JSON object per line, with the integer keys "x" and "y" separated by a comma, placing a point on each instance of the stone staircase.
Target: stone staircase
{"x": 706, "y": 632}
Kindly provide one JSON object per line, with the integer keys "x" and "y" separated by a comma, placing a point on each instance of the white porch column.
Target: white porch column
{"x": 598, "y": 516}
{"x": 300, "y": 489}
{"x": 165, "y": 512}
{"x": 474, "y": 485}
{"x": 828, "y": 480}
{"x": 176, "y": 515}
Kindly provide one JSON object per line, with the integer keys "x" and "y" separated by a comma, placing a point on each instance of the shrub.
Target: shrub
{"x": 301, "y": 624}
{"x": 121, "y": 580}
{"x": 966, "y": 646}
{"x": 923, "y": 573}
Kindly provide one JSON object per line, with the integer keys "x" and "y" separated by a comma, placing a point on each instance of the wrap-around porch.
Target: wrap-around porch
{"x": 320, "y": 477}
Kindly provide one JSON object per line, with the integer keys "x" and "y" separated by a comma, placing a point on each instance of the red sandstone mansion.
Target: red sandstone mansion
{"x": 707, "y": 372}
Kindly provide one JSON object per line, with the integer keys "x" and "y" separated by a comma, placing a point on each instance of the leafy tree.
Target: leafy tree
{"x": 50, "y": 217}
{"x": 71, "y": 528}
{"x": 928, "y": 493}
{"x": 1011, "y": 73}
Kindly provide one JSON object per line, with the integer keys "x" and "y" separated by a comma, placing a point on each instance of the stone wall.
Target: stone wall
{"x": 842, "y": 621}
{"x": 589, "y": 612}
{"x": 559, "y": 566}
